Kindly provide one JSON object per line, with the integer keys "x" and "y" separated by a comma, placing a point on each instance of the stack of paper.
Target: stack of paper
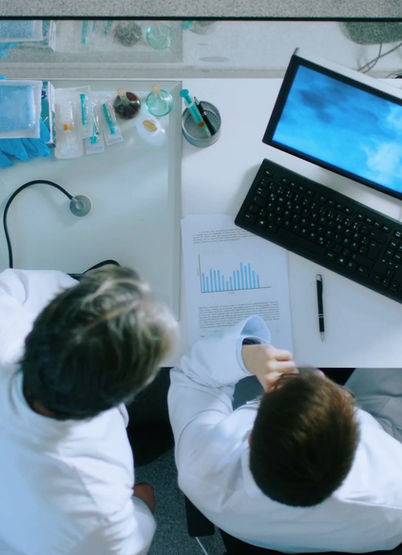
{"x": 231, "y": 274}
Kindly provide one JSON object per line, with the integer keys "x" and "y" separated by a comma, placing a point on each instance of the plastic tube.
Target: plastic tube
{"x": 194, "y": 111}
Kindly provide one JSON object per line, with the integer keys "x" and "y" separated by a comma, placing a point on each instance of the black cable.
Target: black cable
{"x": 369, "y": 65}
{"x": 10, "y": 200}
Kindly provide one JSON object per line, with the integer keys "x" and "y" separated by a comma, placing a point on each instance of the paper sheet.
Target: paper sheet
{"x": 230, "y": 274}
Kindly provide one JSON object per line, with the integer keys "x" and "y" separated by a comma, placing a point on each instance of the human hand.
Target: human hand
{"x": 145, "y": 492}
{"x": 268, "y": 363}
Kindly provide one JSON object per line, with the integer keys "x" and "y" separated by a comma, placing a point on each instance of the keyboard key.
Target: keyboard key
{"x": 395, "y": 286}
{"x": 363, "y": 270}
{"x": 351, "y": 266}
{"x": 249, "y": 217}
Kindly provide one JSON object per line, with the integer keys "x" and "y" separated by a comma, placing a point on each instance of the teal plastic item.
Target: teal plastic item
{"x": 84, "y": 32}
{"x": 192, "y": 108}
{"x": 159, "y": 102}
{"x": 24, "y": 149}
{"x": 108, "y": 119}
{"x": 5, "y": 47}
{"x": 159, "y": 36}
{"x": 16, "y": 29}
{"x": 186, "y": 24}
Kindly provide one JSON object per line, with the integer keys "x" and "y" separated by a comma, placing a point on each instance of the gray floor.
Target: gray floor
{"x": 171, "y": 537}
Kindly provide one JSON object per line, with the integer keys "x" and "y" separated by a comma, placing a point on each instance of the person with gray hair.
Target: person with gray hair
{"x": 72, "y": 353}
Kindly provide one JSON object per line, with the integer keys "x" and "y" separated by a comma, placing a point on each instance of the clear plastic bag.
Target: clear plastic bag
{"x": 110, "y": 126}
{"x": 95, "y": 143}
{"x": 20, "y": 107}
{"x": 69, "y": 142}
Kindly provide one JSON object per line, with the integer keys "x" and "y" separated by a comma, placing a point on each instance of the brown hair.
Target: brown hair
{"x": 304, "y": 440}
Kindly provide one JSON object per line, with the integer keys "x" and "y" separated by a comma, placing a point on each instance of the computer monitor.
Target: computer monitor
{"x": 340, "y": 119}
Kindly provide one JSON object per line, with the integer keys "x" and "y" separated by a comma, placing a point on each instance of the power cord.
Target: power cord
{"x": 205, "y": 552}
{"x": 80, "y": 205}
{"x": 369, "y": 65}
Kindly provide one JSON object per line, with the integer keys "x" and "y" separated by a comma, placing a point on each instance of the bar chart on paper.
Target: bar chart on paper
{"x": 217, "y": 279}
{"x": 229, "y": 275}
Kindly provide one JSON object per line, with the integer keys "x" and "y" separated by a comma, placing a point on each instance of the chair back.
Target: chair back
{"x": 235, "y": 546}
{"x": 200, "y": 525}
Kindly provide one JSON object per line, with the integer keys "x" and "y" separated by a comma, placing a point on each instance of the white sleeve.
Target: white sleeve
{"x": 201, "y": 391}
{"x": 23, "y": 294}
{"x": 146, "y": 524}
{"x": 128, "y": 531}
{"x": 216, "y": 361}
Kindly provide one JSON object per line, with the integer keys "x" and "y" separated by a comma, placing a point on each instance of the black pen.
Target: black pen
{"x": 319, "y": 284}
{"x": 203, "y": 113}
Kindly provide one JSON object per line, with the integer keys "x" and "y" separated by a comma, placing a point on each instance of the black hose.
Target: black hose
{"x": 10, "y": 200}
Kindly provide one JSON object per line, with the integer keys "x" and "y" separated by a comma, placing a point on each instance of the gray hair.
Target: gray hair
{"x": 97, "y": 344}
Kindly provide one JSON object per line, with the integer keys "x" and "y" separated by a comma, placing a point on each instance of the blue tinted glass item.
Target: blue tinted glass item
{"x": 18, "y": 110}
{"x": 15, "y": 29}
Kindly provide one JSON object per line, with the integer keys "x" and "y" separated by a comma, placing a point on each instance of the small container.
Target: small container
{"x": 196, "y": 135}
{"x": 127, "y": 33}
{"x": 68, "y": 139}
{"x": 159, "y": 102}
{"x": 159, "y": 36}
{"x": 150, "y": 130}
{"x": 126, "y": 104}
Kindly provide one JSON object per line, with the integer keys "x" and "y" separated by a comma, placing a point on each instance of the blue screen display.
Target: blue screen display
{"x": 344, "y": 126}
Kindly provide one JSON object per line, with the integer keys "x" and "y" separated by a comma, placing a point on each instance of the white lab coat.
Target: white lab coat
{"x": 212, "y": 457}
{"x": 65, "y": 486}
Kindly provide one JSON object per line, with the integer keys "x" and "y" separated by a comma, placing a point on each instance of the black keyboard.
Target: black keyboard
{"x": 326, "y": 227}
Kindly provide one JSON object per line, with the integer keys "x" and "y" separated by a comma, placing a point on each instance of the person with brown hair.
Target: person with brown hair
{"x": 72, "y": 353}
{"x": 301, "y": 468}
{"x": 302, "y": 414}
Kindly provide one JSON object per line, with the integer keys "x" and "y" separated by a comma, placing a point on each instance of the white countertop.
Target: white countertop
{"x": 363, "y": 328}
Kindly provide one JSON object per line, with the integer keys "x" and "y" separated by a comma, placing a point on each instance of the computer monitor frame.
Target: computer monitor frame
{"x": 351, "y": 77}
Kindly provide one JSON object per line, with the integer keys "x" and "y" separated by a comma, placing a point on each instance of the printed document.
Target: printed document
{"x": 230, "y": 274}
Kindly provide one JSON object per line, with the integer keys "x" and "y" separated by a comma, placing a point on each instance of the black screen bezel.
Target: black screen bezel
{"x": 295, "y": 62}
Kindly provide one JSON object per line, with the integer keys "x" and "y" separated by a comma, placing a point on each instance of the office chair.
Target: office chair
{"x": 198, "y": 525}
{"x": 98, "y": 265}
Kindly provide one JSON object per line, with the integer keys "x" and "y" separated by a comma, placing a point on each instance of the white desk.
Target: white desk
{"x": 363, "y": 328}
{"x": 134, "y": 188}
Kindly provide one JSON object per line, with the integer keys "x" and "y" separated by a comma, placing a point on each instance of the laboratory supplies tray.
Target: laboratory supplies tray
{"x": 134, "y": 188}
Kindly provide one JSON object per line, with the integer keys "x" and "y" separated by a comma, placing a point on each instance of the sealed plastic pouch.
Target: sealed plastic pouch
{"x": 85, "y": 111}
{"x": 111, "y": 128}
{"x": 95, "y": 143}
{"x": 68, "y": 138}
{"x": 20, "y": 107}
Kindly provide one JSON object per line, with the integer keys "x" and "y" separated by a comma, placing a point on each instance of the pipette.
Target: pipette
{"x": 194, "y": 111}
